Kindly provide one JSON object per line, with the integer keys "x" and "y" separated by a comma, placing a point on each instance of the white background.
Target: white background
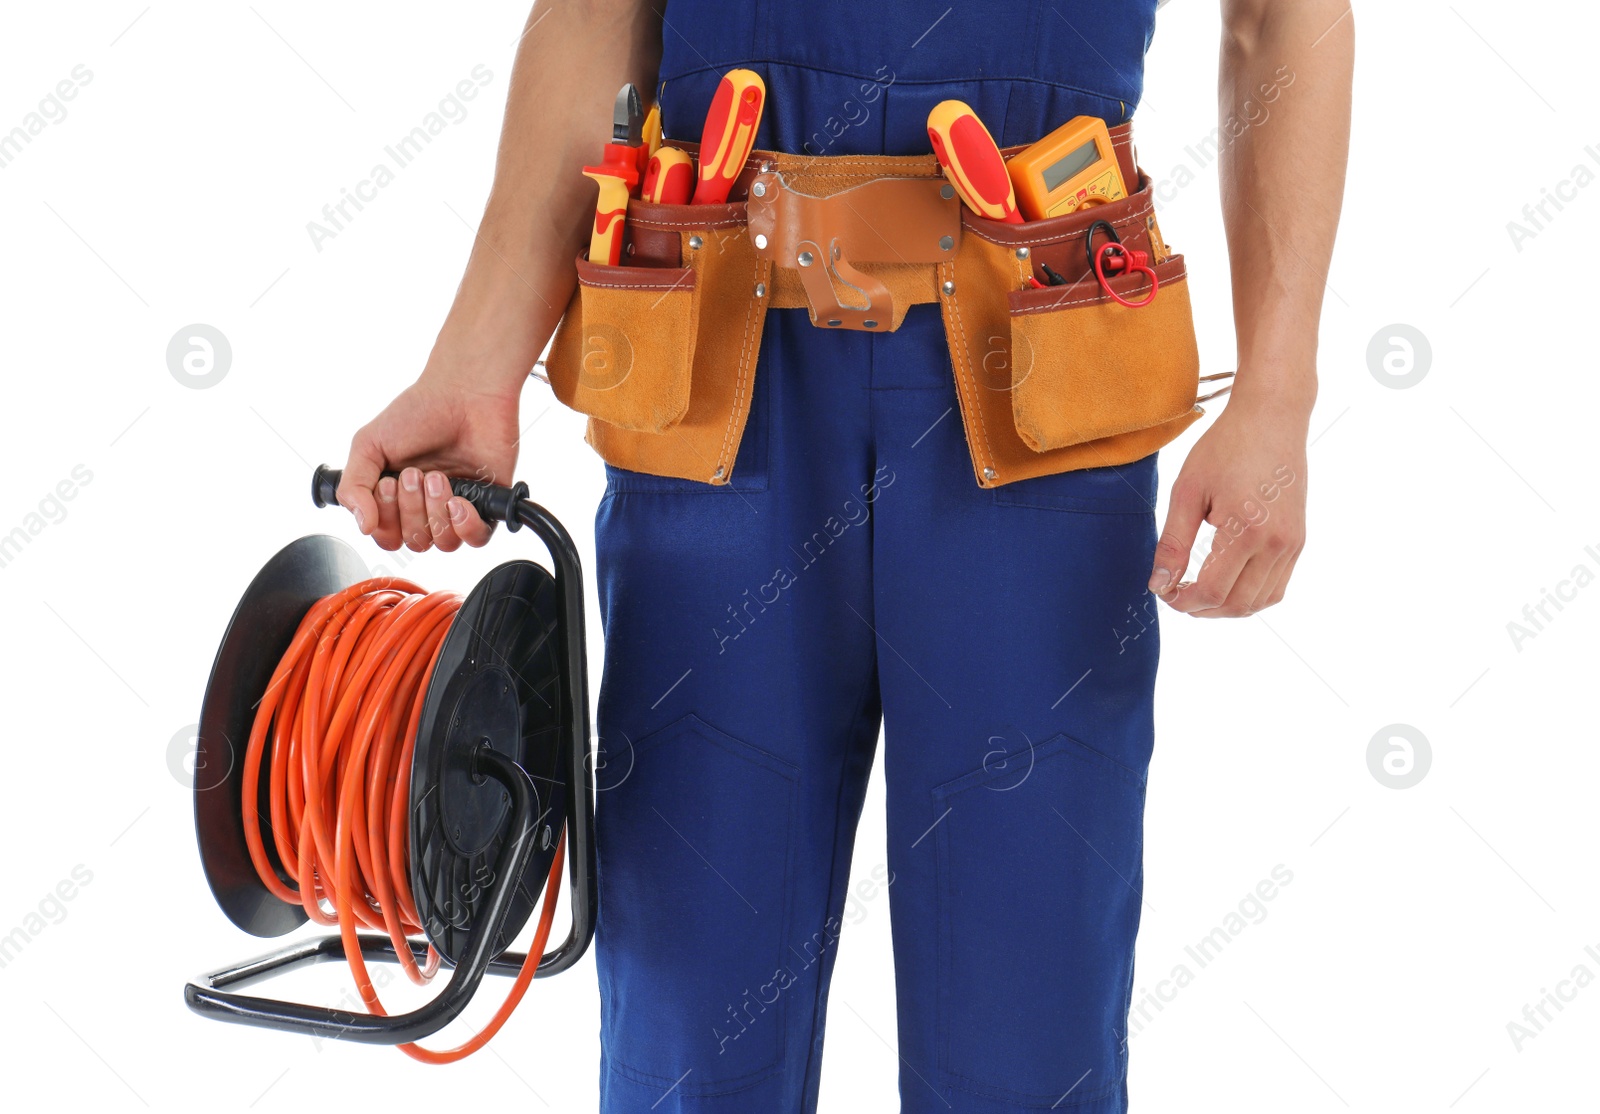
{"x": 1419, "y": 922}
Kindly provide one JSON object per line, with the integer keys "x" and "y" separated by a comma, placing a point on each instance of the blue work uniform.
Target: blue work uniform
{"x": 853, "y": 574}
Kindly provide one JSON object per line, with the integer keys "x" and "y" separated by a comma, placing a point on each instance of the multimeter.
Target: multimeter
{"x": 1070, "y": 169}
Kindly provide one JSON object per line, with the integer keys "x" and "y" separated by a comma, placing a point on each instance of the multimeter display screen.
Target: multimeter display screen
{"x": 1074, "y": 164}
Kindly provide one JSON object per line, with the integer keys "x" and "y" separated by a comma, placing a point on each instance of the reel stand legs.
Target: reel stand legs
{"x": 208, "y": 994}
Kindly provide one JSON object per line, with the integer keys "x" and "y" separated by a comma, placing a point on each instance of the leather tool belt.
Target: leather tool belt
{"x": 661, "y": 352}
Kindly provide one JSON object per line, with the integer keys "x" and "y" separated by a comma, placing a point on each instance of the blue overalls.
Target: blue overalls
{"x": 852, "y": 571}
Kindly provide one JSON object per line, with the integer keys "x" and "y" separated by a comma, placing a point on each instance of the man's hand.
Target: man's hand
{"x": 1247, "y": 477}
{"x": 437, "y": 428}
{"x": 1284, "y": 115}
{"x": 460, "y": 417}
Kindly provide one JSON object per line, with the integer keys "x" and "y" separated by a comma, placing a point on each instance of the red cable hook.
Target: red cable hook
{"x": 1119, "y": 260}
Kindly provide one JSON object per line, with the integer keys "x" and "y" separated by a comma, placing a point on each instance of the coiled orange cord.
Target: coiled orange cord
{"x": 341, "y": 712}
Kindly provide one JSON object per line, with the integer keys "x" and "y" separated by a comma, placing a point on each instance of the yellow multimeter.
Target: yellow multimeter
{"x": 1073, "y": 167}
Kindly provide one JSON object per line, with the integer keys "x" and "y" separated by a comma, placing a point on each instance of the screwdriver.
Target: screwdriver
{"x": 617, "y": 174}
{"x": 972, "y": 162}
{"x": 669, "y": 178}
{"x": 730, "y": 133}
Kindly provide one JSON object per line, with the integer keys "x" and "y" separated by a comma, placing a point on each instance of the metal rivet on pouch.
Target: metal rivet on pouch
{"x": 761, "y": 290}
{"x": 718, "y": 474}
{"x": 759, "y": 189}
{"x": 946, "y": 243}
{"x": 630, "y": 249}
{"x": 696, "y": 243}
{"x": 948, "y": 287}
{"x": 1022, "y": 253}
{"x": 989, "y": 473}
{"x": 947, "y": 191}
{"x": 806, "y": 259}
{"x": 761, "y": 240}
{"x": 870, "y": 324}
{"x": 836, "y": 322}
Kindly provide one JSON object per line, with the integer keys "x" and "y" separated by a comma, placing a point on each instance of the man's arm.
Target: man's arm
{"x": 460, "y": 417}
{"x": 1284, "y": 103}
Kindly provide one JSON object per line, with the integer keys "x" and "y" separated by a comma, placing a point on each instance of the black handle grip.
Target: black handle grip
{"x": 492, "y": 502}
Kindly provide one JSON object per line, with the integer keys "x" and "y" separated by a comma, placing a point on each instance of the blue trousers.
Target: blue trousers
{"x": 757, "y": 635}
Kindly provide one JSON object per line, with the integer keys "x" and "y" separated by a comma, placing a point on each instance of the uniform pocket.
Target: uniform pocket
{"x": 1084, "y": 366}
{"x": 1039, "y": 861}
{"x": 695, "y": 833}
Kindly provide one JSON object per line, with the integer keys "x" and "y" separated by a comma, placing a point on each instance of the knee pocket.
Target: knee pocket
{"x": 695, "y": 834}
{"x": 1039, "y": 864}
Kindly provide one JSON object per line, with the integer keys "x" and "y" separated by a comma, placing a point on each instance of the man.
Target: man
{"x": 852, "y": 571}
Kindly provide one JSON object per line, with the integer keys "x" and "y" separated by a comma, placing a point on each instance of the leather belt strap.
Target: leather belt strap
{"x": 882, "y": 220}
{"x": 855, "y": 239}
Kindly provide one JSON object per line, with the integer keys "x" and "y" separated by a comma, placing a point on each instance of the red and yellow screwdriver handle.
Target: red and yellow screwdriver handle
{"x": 972, "y": 161}
{"x": 729, "y": 135}
{"x": 669, "y": 179}
{"x": 617, "y": 174}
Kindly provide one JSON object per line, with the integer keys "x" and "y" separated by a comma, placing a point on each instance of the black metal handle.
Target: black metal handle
{"x": 206, "y": 996}
{"x": 493, "y": 502}
{"x": 512, "y": 506}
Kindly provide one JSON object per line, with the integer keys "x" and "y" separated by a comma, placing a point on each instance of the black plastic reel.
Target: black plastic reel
{"x": 497, "y": 683}
{"x": 501, "y": 764}
{"x": 258, "y": 635}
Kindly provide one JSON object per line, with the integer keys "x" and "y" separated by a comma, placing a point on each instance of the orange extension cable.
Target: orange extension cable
{"x": 342, "y": 711}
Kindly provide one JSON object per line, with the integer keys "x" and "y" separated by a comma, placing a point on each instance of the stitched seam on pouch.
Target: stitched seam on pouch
{"x": 730, "y": 222}
{"x": 639, "y": 285}
{"x": 965, "y": 358}
{"x": 1102, "y": 297}
{"x": 1132, "y": 218}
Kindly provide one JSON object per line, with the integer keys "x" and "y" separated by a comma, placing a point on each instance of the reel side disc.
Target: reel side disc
{"x": 498, "y": 682}
{"x": 257, "y": 636}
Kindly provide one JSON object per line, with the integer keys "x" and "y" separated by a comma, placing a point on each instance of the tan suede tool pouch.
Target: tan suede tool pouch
{"x": 1063, "y": 377}
{"x": 1084, "y": 366}
{"x": 660, "y": 352}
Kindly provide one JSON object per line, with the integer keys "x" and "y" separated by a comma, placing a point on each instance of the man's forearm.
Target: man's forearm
{"x": 571, "y": 60}
{"x": 1284, "y": 101}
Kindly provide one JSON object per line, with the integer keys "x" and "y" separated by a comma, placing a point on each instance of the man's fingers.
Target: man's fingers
{"x": 387, "y": 535}
{"x": 1278, "y": 582}
{"x": 413, "y": 511}
{"x": 436, "y": 497}
{"x": 1185, "y": 513}
{"x": 356, "y": 487}
{"x": 1254, "y": 578}
{"x": 1218, "y": 574}
{"x": 469, "y": 527}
